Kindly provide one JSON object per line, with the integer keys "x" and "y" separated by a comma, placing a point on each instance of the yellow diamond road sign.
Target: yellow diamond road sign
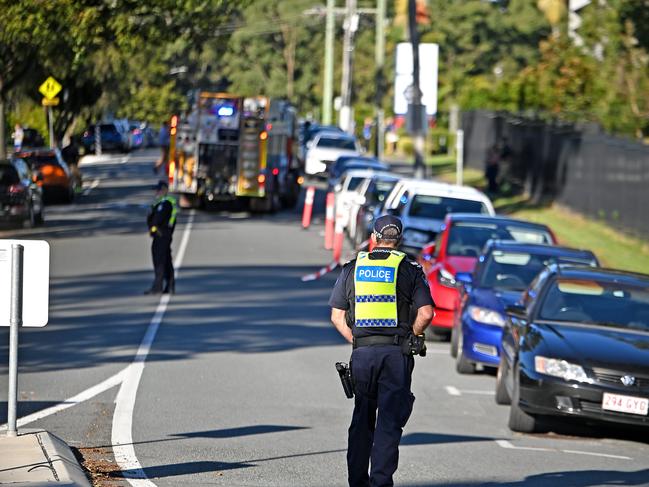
{"x": 50, "y": 88}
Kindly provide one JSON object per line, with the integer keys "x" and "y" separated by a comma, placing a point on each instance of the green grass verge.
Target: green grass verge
{"x": 614, "y": 248}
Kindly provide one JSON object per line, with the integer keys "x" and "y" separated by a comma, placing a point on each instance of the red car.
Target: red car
{"x": 455, "y": 252}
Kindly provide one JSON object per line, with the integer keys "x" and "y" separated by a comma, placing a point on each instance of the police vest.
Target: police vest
{"x": 174, "y": 208}
{"x": 375, "y": 283}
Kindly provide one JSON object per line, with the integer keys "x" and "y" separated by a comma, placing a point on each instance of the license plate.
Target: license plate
{"x": 625, "y": 404}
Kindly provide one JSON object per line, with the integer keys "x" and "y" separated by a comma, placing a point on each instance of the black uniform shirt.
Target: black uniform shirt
{"x": 412, "y": 293}
{"x": 159, "y": 216}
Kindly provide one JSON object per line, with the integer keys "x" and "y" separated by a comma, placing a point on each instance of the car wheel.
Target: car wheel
{"x": 454, "y": 333}
{"x": 519, "y": 420}
{"x": 502, "y": 396}
{"x": 462, "y": 365}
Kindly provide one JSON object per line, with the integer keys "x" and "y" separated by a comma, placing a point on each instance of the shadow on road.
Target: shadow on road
{"x": 177, "y": 469}
{"x": 101, "y": 318}
{"x": 577, "y": 478}
{"x": 438, "y": 438}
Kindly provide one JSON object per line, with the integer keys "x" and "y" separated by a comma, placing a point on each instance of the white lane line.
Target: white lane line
{"x": 605, "y": 455}
{"x": 509, "y": 446}
{"x": 452, "y": 391}
{"x": 72, "y": 401}
{"x": 122, "y": 430}
{"x": 94, "y": 184}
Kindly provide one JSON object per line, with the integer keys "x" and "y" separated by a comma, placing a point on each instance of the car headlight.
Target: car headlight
{"x": 486, "y": 316}
{"x": 560, "y": 368}
{"x": 445, "y": 278}
{"x": 415, "y": 236}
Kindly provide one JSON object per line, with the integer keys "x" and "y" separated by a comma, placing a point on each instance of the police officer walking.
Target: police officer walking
{"x": 161, "y": 221}
{"x": 373, "y": 302}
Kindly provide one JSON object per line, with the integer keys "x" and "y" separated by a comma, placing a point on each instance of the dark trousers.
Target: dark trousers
{"x": 162, "y": 264}
{"x": 382, "y": 377}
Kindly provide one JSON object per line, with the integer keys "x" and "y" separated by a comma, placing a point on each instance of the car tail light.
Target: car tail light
{"x": 17, "y": 189}
{"x": 261, "y": 179}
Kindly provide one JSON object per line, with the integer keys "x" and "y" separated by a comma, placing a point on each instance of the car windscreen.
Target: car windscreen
{"x": 380, "y": 191}
{"x": 516, "y": 270}
{"x": 437, "y": 207}
{"x": 38, "y": 161}
{"x": 354, "y": 182}
{"x": 613, "y": 304}
{"x": 336, "y": 143}
{"x": 468, "y": 238}
{"x": 8, "y": 175}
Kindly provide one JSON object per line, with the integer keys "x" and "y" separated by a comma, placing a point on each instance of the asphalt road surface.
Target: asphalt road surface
{"x": 231, "y": 382}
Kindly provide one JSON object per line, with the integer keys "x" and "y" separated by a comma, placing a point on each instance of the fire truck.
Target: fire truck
{"x": 229, "y": 147}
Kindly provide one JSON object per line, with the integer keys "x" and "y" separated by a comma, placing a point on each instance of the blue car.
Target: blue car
{"x": 504, "y": 270}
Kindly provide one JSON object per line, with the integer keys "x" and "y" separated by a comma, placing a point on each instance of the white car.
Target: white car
{"x": 370, "y": 194}
{"x": 346, "y": 194}
{"x": 423, "y": 205}
{"x": 326, "y": 147}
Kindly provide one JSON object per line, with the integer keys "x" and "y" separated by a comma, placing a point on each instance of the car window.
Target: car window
{"x": 516, "y": 270}
{"x": 437, "y": 207}
{"x": 379, "y": 191}
{"x": 108, "y": 128}
{"x": 336, "y": 143}
{"x": 468, "y": 238}
{"x": 40, "y": 160}
{"x": 353, "y": 182}
{"x": 611, "y": 304}
{"x": 8, "y": 175}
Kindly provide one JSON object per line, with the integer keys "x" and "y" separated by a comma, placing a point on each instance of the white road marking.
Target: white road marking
{"x": 72, "y": 401}
{"x": 509, "y": 446}
{"x": 452, "y": 391}
{"x": 122, "y": 431}
{"x": 94, "y": 184}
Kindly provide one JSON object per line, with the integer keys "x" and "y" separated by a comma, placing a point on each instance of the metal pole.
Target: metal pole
{"x": 417, "y": 108}
{"x": 351, "y": 23}
{"x": 15, "y": 322}
{"x": 328, "y": 88}
{"x": 97, "y": 139}
{"x": 379, "y": 55}
{"x": 459, "y": 166}
{"x": 50, "y": 124}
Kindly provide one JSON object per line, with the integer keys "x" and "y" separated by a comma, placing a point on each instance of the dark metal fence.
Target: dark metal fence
{"x": 596, "y": 174}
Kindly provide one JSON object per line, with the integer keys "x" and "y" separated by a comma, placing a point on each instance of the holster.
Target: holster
{"x": 345, "y": 373}
{"x": 414, "y": 345}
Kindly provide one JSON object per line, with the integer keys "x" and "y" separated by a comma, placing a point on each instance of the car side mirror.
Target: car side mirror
{"x": 516, "y": 310}
{"x": 464, "y": 278}
{"x": 360, "y": 199}
{"x": 338, "y": 188}
{"x": 309, "y": 144}
{"x": 428, "y": 251}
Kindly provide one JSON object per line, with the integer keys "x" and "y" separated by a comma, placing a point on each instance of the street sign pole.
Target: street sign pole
{"x": 50, "y": 125}
{"x": 15, "y": 322}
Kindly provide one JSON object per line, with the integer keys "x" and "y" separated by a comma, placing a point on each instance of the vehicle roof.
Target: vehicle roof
{"x": 421, "y": 185}
{"x": 333, "y": 135}
{"x": 41, "y": 151}
{"x": 479, "y": 218}
{"x": 361, "y": 158}
{"x": 600, "y": 274}
{"x": 537, "y": 248}
{"x": 362, "y": 173}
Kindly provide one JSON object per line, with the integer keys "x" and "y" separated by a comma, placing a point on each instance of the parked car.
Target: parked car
{"x": 347, "y": 196}
{"x": 371, "y": 194}
{"x": 326, "y": 147}
{"x": 577, "y": 346}
{"x": 21, "y": 198}
{"x": 504, "y": 270}
{"x": 113, "y": 137}
{"x": 456, "y": 249}
{"x": 52, "y": 172}
{"x": 348, "y": 163}
{"x": 423, "y": 205}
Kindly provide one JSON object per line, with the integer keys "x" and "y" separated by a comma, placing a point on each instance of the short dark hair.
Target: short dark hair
{"x": 390, "y": 235}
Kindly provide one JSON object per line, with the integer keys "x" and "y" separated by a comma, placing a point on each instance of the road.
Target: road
{"x": 231, "y": 381}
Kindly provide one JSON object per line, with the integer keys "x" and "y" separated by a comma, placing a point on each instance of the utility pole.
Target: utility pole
{"x": 379, "y": 57}
{"x": 328, "y": 88}
{"x": 351, "y": 25}
{"x": 415, "y": 108}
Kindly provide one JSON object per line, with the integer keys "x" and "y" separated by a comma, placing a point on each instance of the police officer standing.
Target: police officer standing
{"x": 161, "y": 221}
{"x": 373, "y": 302}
